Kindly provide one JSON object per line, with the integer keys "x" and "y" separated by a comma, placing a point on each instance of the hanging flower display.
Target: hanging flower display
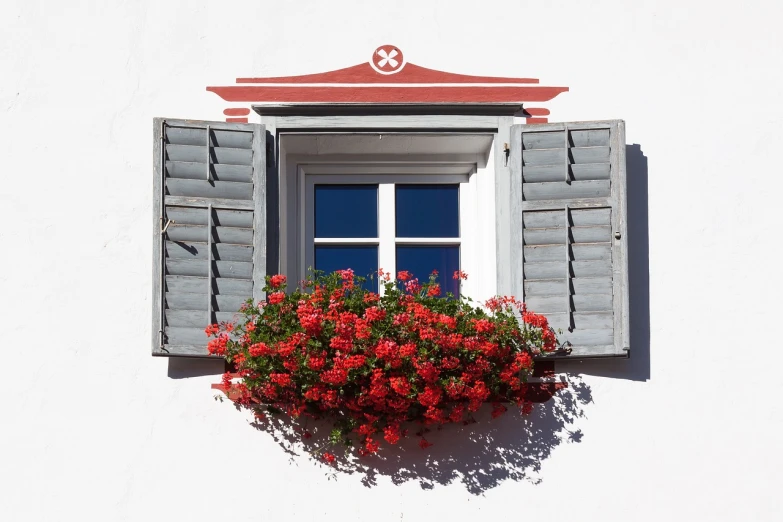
{"x": 371, "y": 362}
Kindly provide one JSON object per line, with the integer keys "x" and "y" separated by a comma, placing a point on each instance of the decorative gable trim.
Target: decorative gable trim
{"x": 387, "y": 79}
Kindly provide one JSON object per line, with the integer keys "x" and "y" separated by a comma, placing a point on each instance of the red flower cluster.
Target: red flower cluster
{"x": 372, "y": 362}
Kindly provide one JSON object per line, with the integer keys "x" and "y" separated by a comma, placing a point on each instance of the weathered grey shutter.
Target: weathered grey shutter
{"x": 568, "y": 235}
{"x": 209, "y": 228}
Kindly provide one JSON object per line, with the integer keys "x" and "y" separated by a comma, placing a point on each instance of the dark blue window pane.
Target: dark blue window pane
{"x": 422, "y": 260}
{"x": 427, "y": 210}
{"x": 363, "y": 260}
{"x": 346, "y": 211}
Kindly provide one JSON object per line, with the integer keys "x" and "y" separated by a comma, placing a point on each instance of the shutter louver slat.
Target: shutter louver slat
{"x": 238, "y": 236}
{"x": 199, "y": 268}
{"x": 198, "y": 250}
{"x": 194, "y": 318}
{"x": 222, "y": 285}
{"x": 198, "y": 153}
{"x": 193, "y": 170}
{"x": 209, "y": 189}
{"x": 200, "y": 301}
{"x": 568, "y": 197}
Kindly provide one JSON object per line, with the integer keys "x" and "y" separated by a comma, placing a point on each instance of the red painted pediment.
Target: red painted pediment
{"x": 364, "y": 73}
{"x": 387, "y": 78}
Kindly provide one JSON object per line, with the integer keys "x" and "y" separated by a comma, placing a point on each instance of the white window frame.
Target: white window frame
{"x": 480, "y": 234}
{"x": 387, "y": 241}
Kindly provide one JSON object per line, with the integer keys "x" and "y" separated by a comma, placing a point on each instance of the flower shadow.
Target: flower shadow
{"x": 480, "y": 456}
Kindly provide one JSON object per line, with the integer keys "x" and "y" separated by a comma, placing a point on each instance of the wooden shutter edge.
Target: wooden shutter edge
{"x": 620, "y": 263}
{"x": 259, "y": 211}
{"x": 514, "y": 280}
{"x": 157, "y": 244}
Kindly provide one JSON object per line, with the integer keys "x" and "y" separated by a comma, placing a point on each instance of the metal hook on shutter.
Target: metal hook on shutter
{"x": 565, "y": 349}
{"x": 166, "y": 226}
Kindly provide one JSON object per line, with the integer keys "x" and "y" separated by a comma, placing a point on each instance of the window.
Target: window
{"x": 396, "y": 201}
{"x": 394, "y": 222}
{"x": 532, "y": 211}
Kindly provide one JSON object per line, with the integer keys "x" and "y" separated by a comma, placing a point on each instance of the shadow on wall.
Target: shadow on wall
{"x": 637, "y": 367}
{"x": 513, "y": 447}
{"x": 185, "y": 367}
{"x": 480, "y": 456}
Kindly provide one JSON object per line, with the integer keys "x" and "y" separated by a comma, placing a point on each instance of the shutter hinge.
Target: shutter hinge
{"x": 506, "y": 152}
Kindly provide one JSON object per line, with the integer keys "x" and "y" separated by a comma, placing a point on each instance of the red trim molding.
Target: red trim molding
{"x": 385, "y": 94}
{"x": 387, "y": 78}
{"x": 238, "y": 111}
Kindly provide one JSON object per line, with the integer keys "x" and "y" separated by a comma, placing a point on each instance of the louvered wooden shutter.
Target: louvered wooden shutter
{"x": 209, "y": 228}
{"x": 568, "y": 239}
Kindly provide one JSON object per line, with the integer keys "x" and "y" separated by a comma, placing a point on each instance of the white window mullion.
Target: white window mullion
{"x": 428, "y": 240}
{"x": 387, "y": 256}
{"x": 467, "y": 233}
{"x": 345, "y": 241}
{"x": 307, "y": 229}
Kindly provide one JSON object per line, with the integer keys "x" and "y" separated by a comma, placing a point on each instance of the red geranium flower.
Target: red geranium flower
{"x": 277, "y": 281}
{"x": 276, "y": 298}
{"x": 373, "y": 361}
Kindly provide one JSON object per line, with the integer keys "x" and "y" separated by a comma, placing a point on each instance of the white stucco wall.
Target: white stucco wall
{"x": 94, "y": 428}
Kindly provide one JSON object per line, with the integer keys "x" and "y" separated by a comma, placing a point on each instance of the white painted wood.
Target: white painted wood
{"x": 373, "y": 174}
{"x": 310, "y": 123}
{"x": 312, "y": 175}
{"x": 328, "y": 162}
{"x": 315, "y": 149}
{"x": 345, "y": 240}
{"x": 387, "y": 255}
{"x": 428, "y": 240}
{"x": 421, "y": 147}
